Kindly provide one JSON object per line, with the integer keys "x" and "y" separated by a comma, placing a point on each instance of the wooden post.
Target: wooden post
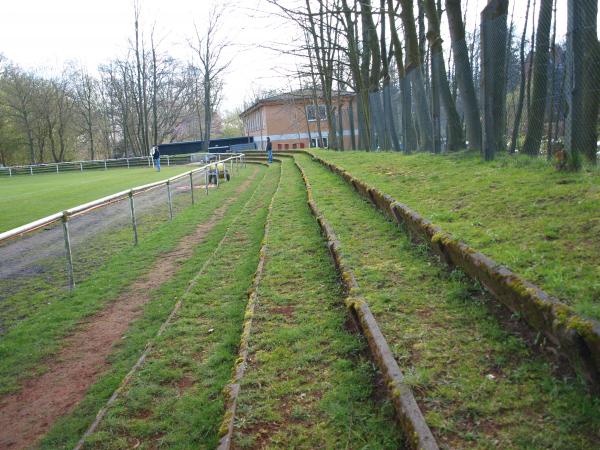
{"x": 9, "y": 172}
{"x": 192, "y": 186}
{"x": 30, "y": 170}
{"x": 81, "y": 167}
{"x": 168, "y": 161}
{"x": 127, "y": 163}
{"x": 169, "y": 198}
{"x": 57, "y": 168}
{"x": 217, "y": 172}
{"x": 69, "y": 255}
{"x": 230, "y": 169}
{"x": 206, "y": 180}
{"x": 133, "y": 220}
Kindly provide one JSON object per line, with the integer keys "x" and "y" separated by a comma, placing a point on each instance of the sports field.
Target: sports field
{"x": 24, "y": 199}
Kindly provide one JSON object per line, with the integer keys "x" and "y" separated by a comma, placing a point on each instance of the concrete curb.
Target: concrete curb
{"x": 577, "y": 337}
{"x": 418, "y": 435}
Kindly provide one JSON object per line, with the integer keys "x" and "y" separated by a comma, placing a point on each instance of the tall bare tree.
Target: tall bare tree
{"x": 208, "y": 47}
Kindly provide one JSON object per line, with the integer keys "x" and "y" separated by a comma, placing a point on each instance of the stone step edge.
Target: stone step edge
{"x": 411, "y": 420}
{"x": 576, "y": 337}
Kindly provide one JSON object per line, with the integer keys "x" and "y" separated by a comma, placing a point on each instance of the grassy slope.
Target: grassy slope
{"x": 308, "y": 383}
{"x": 175, "y": 400}
{"x": 478, "y": 385}
{"x": 29, "y": 341}
{"x": 542, "y": 224}
{"x": 25, "y": 199}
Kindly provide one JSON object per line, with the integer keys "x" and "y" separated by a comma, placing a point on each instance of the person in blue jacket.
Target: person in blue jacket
{"x": 156, "y": 158}
{"x": 269, "y": 150}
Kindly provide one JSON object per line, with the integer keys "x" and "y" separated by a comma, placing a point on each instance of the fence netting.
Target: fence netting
{"x": 524, "y": 78}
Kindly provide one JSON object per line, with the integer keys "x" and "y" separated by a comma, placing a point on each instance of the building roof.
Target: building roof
{"x": 299, "y": 94}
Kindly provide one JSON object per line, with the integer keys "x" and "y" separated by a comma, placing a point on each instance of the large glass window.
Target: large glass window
{"x": 311, "y": 115}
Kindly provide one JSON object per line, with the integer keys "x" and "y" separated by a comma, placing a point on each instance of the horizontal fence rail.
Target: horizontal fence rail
{"x": 105, "y": 164}
{"x": 223, "y": 166}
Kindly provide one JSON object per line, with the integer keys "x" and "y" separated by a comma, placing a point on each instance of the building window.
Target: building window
{"x": 321, "y": 143}
{"x": 287, "y": 146}
{"x": 294, "y": 146}
{"x": 278, "y": 146}
{"x": 311, "y": 115}
{"x": 301, "y": 144}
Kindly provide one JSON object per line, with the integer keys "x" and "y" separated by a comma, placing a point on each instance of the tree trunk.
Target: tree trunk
{"x": 549, "y": 142}
{"x": 455, "y": 137}
{"x": 493, "y": 57}
{"x": 414, "y": 71}
{"x": 351, "y": 121}
{"x": 535, "y": 125}
{"x": 519, "y": 111}
{"x": 464, "y": 74}
{"x": 408, "y": 131}
{"x": 591, "y": 86}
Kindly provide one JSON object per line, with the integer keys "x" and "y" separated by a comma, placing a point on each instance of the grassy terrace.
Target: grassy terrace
{"x": 27, "y": 198}
{"x": 308, "y": 383}
{"x": 51, "y": 317}
{"x": 542, "y": 224}
{"x": 477, "y": 385}
{"x": 175, "y": 400}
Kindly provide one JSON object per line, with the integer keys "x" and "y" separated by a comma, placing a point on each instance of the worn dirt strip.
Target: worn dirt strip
{"x": 308, "y": 382}
{"x": 29, "y": 414}
{"x": 477, "y": 384}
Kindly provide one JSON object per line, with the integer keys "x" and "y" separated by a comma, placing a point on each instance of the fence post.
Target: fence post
{"x": 30, "y": 170}
{"x": 69, "y": 255}
{"x": 206, "y": 180}
{"x": 104, "y": 164}
{"x": 231, "y": 169}
{"x": 217, "y": 172}
{"x": 127, "y": 163}
{"x": 169, "y": 198}
{"x": 56, "y": 168}
{"x": 192, "y": 186}
{"x": 133, "y": 220}
{"x": 9, "y": 172}
{"x": 168, "y": 161}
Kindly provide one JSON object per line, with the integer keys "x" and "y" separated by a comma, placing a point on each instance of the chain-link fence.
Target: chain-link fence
{"x": 61, "y": 250}
{"x": 517, "y": 77}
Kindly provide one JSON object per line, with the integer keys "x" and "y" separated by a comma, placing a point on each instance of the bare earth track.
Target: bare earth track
{"x": 27, "y": 415}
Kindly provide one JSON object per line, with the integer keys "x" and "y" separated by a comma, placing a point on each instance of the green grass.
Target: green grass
{"x": 175, "y": 400}
{"x": 46, "y": 278}
{"x": 24, "y": 199}
{"x": 542, "y": 224}
{"x": 29, "y": 341}
{"x": 478, "y": 385}
{"x": 308, "y": 383}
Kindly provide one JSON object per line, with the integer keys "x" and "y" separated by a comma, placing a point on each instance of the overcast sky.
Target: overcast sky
{"x": 44, "y": 33}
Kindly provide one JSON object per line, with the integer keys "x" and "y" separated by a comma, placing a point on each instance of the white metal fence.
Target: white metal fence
{"x": 33, "y": 256}
{"x": 105, "y": 164}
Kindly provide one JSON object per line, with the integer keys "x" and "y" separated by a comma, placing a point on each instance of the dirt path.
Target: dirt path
{"x": 26, "y": 416}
